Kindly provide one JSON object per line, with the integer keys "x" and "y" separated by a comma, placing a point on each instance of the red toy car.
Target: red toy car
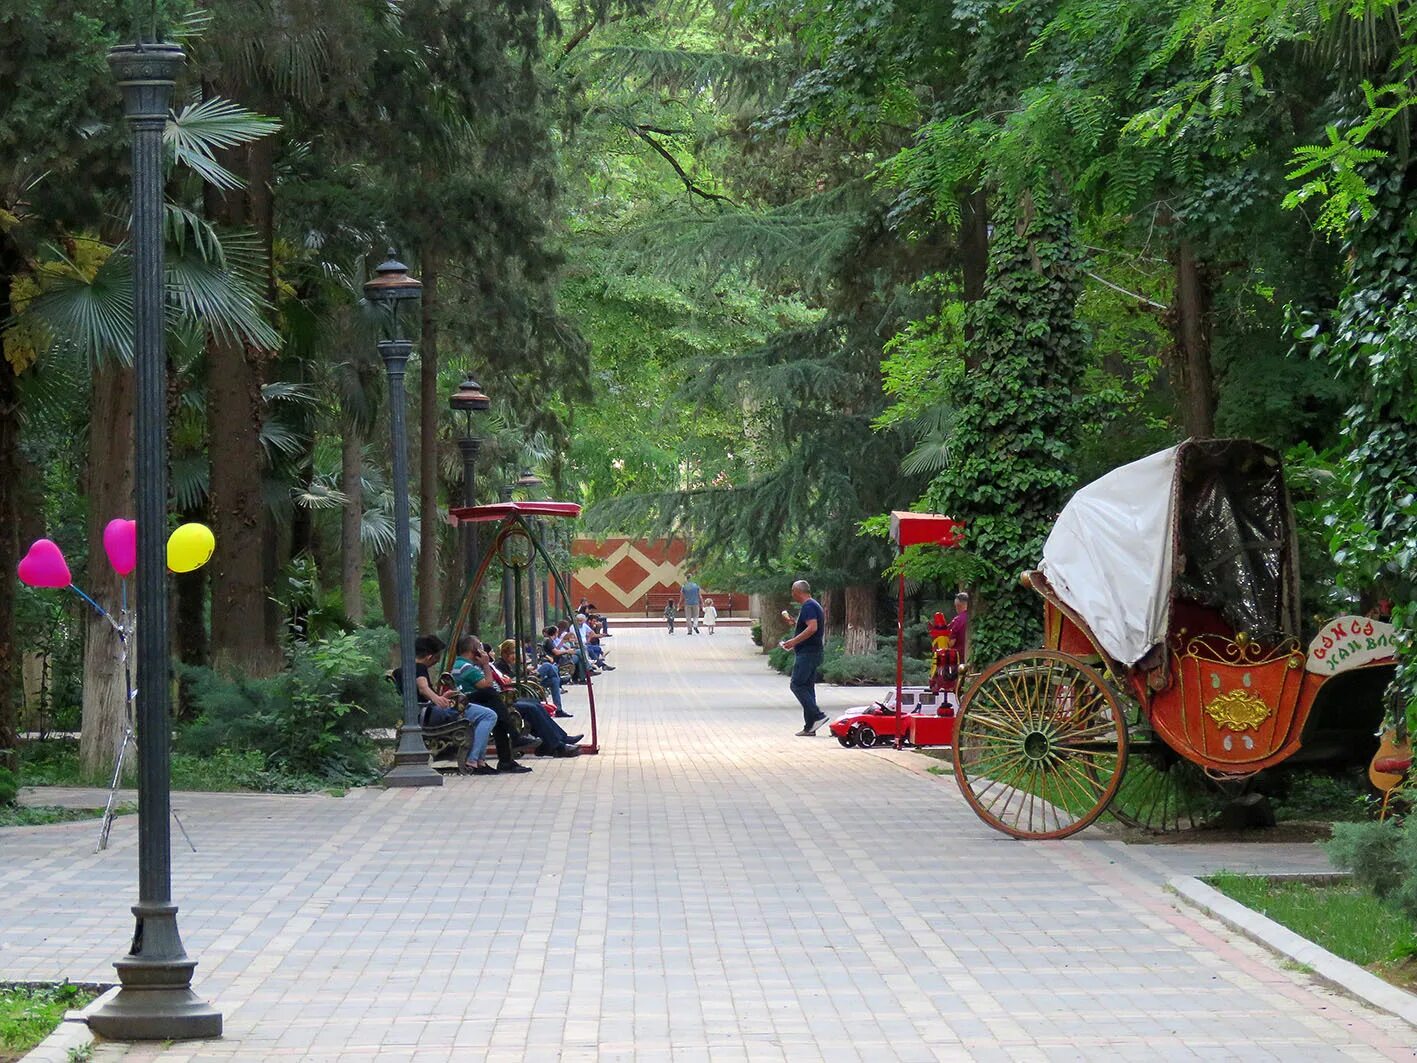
{"x": 928, "y": 720}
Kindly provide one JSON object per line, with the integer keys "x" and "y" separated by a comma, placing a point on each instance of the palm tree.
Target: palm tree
{"x": 83, "y": 313}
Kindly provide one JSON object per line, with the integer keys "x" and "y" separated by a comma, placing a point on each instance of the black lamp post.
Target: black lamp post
{"x": 468, "y": 400}
{"x": 389, "y": 288}
{"x": 528, "y": 481}
{"x": 156, "y": 1001}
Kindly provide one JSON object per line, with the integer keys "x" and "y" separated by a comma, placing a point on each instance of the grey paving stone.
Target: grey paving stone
{"x": 708, "y": 888}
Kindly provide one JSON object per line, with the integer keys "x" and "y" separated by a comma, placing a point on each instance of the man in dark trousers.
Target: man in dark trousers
{"x": 806, "y": 644}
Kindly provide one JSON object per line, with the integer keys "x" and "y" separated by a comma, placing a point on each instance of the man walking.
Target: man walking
{"x": 806, "y": 644}
{"x": 691, "y": 595}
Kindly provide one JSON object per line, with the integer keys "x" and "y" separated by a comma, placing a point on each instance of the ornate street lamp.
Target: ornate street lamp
{"x": 388, "y": 290}
{"x": 468, "y": 400}
{"x": 156, "y": 1001}
{"x": 528, "y": 482}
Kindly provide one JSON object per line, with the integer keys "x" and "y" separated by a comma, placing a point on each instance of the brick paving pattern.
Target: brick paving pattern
{"x": 709, "y": 888}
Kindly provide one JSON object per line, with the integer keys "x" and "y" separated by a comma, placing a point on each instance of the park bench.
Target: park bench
{"x": 654, "y": 603}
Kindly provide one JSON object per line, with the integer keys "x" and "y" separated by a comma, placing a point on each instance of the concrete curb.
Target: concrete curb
{"x": 1328, "y": 968}
{"x": 72, "y": 1033}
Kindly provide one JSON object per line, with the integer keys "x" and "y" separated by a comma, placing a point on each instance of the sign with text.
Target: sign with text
{"x": 1351, "y": 642}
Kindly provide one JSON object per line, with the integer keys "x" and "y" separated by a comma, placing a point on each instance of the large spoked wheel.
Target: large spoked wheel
{"x": 1040, "y": 745}
{"x": 1163, "y": 793}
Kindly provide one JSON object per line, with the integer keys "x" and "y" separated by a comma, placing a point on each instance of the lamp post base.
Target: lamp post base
{"x": 156, "y": 1002}
{"x": 411, "y": 763}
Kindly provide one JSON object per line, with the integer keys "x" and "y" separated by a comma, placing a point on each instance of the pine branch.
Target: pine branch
{"x": 689, "y": 184}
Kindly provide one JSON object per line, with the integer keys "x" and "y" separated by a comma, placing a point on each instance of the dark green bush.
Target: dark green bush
{"x": 1382, "y": 857}
{"x": 874, "y": 669}
{"x": 757, "y": 632}
{"x": 9, "y": 786}
{"x": 307, "y": 720}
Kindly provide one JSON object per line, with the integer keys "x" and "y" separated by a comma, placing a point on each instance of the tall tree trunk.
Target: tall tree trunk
{"x": 351, "y": 566}
{"x": 388, "y": 588}
{"x": 110, "y": 494}
{"x": 861, "y": 618}
{"x": 11, "y": 687}
{"x": 1190, "y": 329}
{"x": 429, "y": 409}
{"x": 834, "y": 605}
{"x": 244, "y": 621}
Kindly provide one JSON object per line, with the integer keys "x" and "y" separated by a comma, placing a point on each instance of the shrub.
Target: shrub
{"x": 874, "y": 669}
{"x": 757, "y": 632}
{"x": 1382, "y": 857}
{"x": 9, "y": 786}
{"x": 309, "y": 719}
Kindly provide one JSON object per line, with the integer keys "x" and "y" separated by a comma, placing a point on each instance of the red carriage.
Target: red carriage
{"x": 1173, "y": 663}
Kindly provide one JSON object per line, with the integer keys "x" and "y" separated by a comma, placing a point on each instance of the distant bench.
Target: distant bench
{"x": 655, "y": 601}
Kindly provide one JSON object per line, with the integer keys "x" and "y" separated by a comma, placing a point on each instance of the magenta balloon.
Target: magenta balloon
{"x": 120, "y": 543}
{"x": 44, "y": 566}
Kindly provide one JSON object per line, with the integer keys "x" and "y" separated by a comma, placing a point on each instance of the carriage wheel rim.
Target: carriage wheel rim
{"x": 1041, "y": 744}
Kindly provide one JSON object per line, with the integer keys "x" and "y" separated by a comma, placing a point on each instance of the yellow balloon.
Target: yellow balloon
{"x": 190, "y": 547}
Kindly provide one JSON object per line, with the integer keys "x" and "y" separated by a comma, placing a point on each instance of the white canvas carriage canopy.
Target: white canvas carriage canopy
{"x": 1110, "y": 555}
{"x": 1208, "y": 521}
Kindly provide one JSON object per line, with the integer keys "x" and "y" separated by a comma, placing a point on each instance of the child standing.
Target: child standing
{"x": 710, "y": 615}
{"x": 669, "y": 614}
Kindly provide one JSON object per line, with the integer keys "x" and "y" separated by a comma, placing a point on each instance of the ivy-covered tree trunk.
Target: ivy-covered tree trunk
{"x": 1370, "y": 346}
{"x": 1015, "y": 420}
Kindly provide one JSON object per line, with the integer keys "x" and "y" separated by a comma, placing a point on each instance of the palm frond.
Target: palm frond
{"x": 221, "y": 298}
{"x": 94, "y": 316}
{"x": 319, "y": 493}
{"x": 203, "y": 128}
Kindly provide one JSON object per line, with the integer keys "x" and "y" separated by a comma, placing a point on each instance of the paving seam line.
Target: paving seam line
{"x": 1332, "y": 970}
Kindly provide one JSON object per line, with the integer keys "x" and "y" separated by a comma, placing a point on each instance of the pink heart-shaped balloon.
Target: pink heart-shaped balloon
{"x": 120, "y": 543}
{"x": 44, "y": 566}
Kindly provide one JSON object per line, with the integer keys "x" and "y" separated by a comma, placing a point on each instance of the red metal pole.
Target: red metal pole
{"x": 899, "y": 662}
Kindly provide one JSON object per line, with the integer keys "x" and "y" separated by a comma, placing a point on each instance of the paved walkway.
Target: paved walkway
{"x": 710, "y": 888}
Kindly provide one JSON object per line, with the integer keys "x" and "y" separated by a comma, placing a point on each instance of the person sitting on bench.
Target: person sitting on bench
{"x": 482, "y": 718}
{"x": 479, "y": 690}
{"x": 554, "y": 741}
{"x": 434, "y": 709}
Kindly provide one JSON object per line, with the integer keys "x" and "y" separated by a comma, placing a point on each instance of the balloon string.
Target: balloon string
{"x": 100, "y": 610}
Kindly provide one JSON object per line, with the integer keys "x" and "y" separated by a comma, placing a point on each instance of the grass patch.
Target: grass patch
{"x": 43, "y": 815}
{"x": 1342, "y": 917}
{"x": 28, "y": 1014}
{"x": 55, "y": 762}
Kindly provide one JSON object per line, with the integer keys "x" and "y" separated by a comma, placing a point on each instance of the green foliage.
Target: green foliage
{"x": 1382, "y": 857}
{"x": 307, "y": 720}
{"x": 1368, "y": 343}
{"x": 1016, "y": 422}
{"x": 1344, "y": 918}
{"x": 875, "y": 669}
{"x": 43, "y": 815}
{"x": 9, "y": 787}
{"x": 28, "y": 1014}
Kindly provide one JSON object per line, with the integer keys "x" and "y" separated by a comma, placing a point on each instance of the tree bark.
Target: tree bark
{"x": 769, "y": 613}
{"x": 351, "y": 521}
{"x": 11, "y": 688}
{"x": 1190, "y": 329}
{"x": 244, "y": 621}
{"x": 834, "y": 605}
{"x": 860, "y": 619}
{"x": 109, "y": 489}
{"x": 388, "y": 588}
{"x": 429, "y": 408}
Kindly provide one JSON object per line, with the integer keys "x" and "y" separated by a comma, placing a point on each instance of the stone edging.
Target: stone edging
{"x": 71, "y": 1033}
{"x": 1328, "y": 968}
